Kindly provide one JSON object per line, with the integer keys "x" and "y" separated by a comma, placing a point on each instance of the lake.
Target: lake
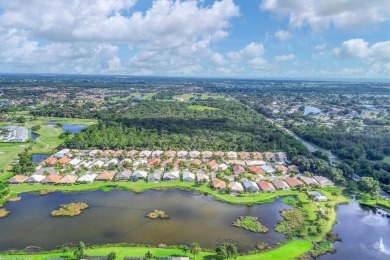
{"x": 361, "y": 231}
{"x": 37, "y": 158}
{"x": 119, "y": 216}
{"x": 311, "y": 110}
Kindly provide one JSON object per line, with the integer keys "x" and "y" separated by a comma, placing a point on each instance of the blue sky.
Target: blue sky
{"x": 205, "y": 38}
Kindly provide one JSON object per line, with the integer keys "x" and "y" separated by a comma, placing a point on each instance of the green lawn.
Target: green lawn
{"x": 290, "y": 250}
{"x": 46, "y": 143}
{"x": 386, "y": 159}
{"x": 202, "y": 108}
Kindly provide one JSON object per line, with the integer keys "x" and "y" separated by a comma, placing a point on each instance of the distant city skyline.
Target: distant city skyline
{"x": 206, "y": 38}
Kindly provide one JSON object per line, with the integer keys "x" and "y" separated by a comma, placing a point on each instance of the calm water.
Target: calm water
{"x": 33, "y": 135}
{"x": 73, "y": 128}
{"x": 361, "y": 231}
{"x": 119, "y": 216}
{"x": 36, "y": 158}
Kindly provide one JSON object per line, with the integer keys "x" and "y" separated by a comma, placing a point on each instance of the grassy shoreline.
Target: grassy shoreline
{"x": 290, "y": 250}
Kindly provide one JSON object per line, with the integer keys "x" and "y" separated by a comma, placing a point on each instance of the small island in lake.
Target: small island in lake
{"x": 251, "y": 224}
{"x": 3, "y": 213}
{"x": 70, "y": 210}
{"x": 157, "y": 214}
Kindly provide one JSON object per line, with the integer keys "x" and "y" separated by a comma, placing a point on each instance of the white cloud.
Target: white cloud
{"x": 320, "y": 14}
{"x": 282, "y": 35}
{"x": 283, "y": 58}
{"x": 320, "y": 47}
{"x": 170, "y": 36}
{"x": 218, "y": 59}
{"x": 250, "y": 51}
{"x": 358, "y": 48}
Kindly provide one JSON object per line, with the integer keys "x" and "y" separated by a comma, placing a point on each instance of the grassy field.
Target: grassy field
{"x": 46, "y": 143}
{"x": 290, "y": 250}
{"x": 386, "y": 159}
{"x": 201, "y": 108}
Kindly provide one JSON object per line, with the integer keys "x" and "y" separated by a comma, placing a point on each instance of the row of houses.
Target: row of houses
{"x": 272, "y": 185}
{"x": 49, "y": 176}
{"x": 231, "y": 155}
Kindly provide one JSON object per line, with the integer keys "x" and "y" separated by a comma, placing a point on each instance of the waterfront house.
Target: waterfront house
{"x": 17, "y": 179}
{"x": 52, "y": 179}
{"x": 145, "y": 154}
{"x": 202, "y": 177}
{"x": 250, "y": 186}
{"x": 68, "y": 179}
{"x": 323, "y": 181}
{"x": 50, "y": 161}
{"x": 105, "y": 176}
{"x": 238, "y": 169}
{"x": 188, "y": 176}
{"x": 64, "y": 160}
{"x": 317, "y": 196}
{"x": 266, "y": 186}
{"x": 207, "y": 154}
{"x": 35, "y": 178}
{"x": 155, "y": 177}
{"x": 268, "y": 169}
{"x": 87, "y": 178}
{"x": 232, "y": 155}
{"x": 171, "y": 176}
{"x": 139, "y": 175}
{"x": 218, "y": 184}
{"x": 194, "y": 154}
{"x": 236, "y": 187}
{"x": 123, "y": 175}
{"x": 256, "y": 170}
{"x": 280, "y": 185}
{"x": 293, "y": 183}
{"x": 308, "y": 181}
{"x": 182, "y": 154}
{"x": 244, "y": 155}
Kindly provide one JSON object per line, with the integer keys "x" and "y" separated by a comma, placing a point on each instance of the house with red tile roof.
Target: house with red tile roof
{"x": 52, "y": 178}
{"x": 50, "y": 161}
{"x": 170, "y": 153}
{"x": 293, "y": 183}
{"x": 17, "y": 179}
{"x": 132, "y": 153}
{"x": 266, "y": 186}
{"x": 105, "y": 176}
{"x": 238, "y": 169}
{"x": 280, "y": 185}
{"x": 212, "y": 165}
{"x": 219, "y": 154}
{"x": 244, "y": 155}
{"x": 218, "y": 184}
{"x": 63, "y": 160}
{"x": 256, "y": 170}
{"x": 281, "y": 168}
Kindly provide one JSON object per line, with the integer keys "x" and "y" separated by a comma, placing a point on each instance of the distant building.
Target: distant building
{"x": 14, "y": 134}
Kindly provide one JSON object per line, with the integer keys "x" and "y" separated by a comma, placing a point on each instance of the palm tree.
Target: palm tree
{"x": 184, "y": 249}
{"x": 148, "y": 255}
{"x": 195, "y": 249}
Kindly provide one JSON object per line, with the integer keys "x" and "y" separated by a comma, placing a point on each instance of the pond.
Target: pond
{"x": 73, "y": 128}
{"x": 311, "y": 110}
{"x": 33, "y": 135}
{"x": 37, "y": 158}
{"x": 364, "y": 234}
{"x": 119, "y": 216}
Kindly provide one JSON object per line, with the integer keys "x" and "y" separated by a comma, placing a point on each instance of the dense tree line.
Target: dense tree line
{"x": 172, "y": 125}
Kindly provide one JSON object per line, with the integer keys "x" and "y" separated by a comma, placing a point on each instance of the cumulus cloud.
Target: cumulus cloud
{"x": 174, "y": 34}
{"x": 250, "y": 51}
{"x": 282, "y": 35}
{"x": 320, "y": 47}
{"x": 283, "y": 58}
{"x": 358, "y": 48}
{"x": 345, "y": 14}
